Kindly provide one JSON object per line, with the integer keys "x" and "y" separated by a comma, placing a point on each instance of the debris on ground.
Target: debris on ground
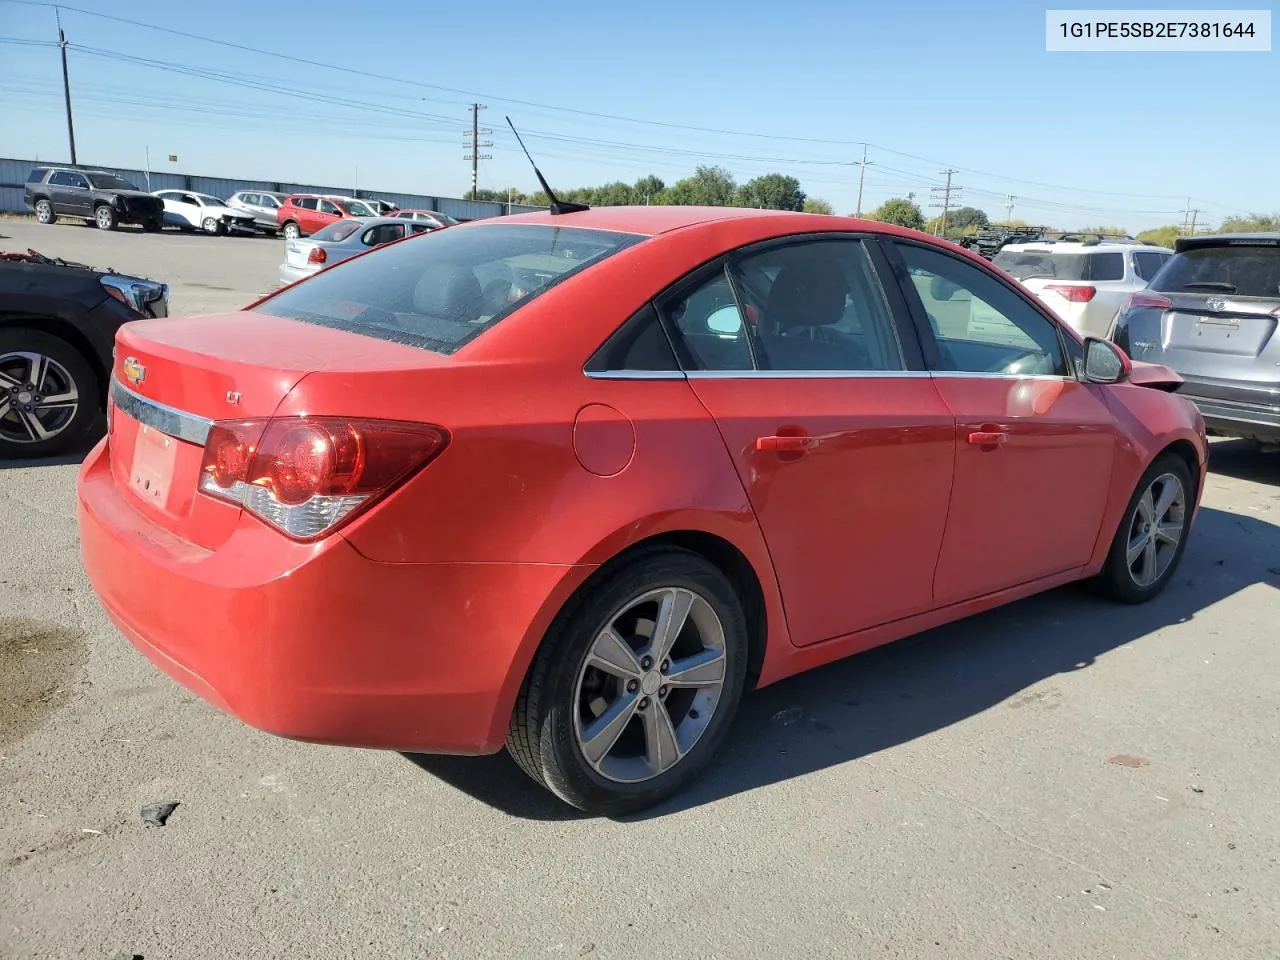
{"x": 789, "y": 716}
{"x": 155, "y": 814}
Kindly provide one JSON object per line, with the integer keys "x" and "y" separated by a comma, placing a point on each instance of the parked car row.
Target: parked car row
{"x": 106, "y": 200}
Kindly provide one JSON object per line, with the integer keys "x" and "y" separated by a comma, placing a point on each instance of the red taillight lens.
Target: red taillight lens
{"x": 306, "y": 475}
{"x": 1074, "y": 294}
{"x": 317, "y": 255}
{"x": 1145, "y": 300}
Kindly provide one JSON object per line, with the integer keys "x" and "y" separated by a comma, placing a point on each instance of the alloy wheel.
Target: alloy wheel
{"x": 650, "y": 685}
{"x": 105, "y": 218}
{"x": 38, "y": 397}
{"x": 1156, "y": 529}
{"x": 44, "y": 211}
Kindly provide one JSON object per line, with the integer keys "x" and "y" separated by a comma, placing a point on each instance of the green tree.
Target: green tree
{"x": 901, "y": 211}
{"x": 1253, "y": 223}
{"x": 817, "y": 205}
{"x": 617, "y": 194}
{"x": 708, "y": 187}
{"x": 1161, "y": 236}
{"x": 648, "y": 189}
{"x": 1105, "y": 231}
{"x": 966, "y": 219}
{"x": 773, "y": 191}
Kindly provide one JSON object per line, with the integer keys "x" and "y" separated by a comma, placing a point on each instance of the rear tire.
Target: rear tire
{"x": 44, "y": 212}
{"x": 105, "y": 217}
{"x": 1142, "y": 560}
{"x": 611, "y": 739}
{"x": 153, "y": 225}
{"x": 291, "y": 231}
{"x": 63, "y": 403}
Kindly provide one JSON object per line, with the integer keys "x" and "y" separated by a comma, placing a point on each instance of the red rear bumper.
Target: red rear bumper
{"x": 315, "y": 641}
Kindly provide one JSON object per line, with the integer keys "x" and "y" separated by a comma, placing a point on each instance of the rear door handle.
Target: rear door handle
{"x": 784, "y": 444}
{"x": 988, "y": 438}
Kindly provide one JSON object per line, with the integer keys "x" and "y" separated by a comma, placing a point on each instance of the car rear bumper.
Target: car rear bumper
{"x": 291, "y": 274}
{"x": 314, "y": 641}
{"x": 1234, "y": 410}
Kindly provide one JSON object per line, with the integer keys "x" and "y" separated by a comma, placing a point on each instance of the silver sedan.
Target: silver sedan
{"x": 339, "y": 241}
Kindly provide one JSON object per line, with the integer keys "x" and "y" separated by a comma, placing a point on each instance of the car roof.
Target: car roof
{"x": 1227, "y": 240}
{"x": 654, "y": 220}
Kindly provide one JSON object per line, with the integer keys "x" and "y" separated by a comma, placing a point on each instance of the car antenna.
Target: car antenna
{"x": 557, "y": 206}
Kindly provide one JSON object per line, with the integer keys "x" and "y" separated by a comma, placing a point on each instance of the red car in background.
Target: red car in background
{"x": 575, "y": 482}
{"x": 303, "y": 214}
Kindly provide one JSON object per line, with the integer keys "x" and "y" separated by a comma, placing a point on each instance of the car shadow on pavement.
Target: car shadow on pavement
{"x": 1244, "y": 460}
{"x": 897, "y": 693}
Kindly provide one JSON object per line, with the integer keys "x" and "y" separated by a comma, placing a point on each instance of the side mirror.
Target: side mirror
{"x": 1104, "y": 362}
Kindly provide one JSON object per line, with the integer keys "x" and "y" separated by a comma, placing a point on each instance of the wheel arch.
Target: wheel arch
{"x": 1185, "y": 450}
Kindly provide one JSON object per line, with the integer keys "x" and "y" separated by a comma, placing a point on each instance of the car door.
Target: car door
{"x": 842, "y": 443}
{"x": 59, "y": 198}
{"x": 326, "y": 213}
{"x": 1034, "y": 444}
{"x": 72, "y": 199}
{"x": 186, "y": 209}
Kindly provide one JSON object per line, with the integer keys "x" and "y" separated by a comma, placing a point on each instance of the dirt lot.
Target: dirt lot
{"x": 1061, "y": 778}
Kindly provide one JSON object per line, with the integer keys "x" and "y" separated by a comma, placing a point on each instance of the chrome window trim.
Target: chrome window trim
{"x": 807, "y": 374}
{"x": 635, "y": 374}
{"x": 963, "y": 374}
{"x": 168, "y": 420}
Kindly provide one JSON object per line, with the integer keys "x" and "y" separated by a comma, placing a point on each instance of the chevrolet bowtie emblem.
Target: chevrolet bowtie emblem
{"x": 134, "y": 372}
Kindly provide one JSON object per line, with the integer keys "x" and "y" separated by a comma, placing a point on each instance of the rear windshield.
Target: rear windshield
{"x": 442, "y": 289}
{"x": 1241, "y": 270}
{"x": 337, "y": 231}
{"x": 1032, "y": 264}
{"x": 108, "y": 181}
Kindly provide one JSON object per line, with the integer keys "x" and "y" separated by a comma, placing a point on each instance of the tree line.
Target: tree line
{"x": 708, "y": 187}
{"x": 716, "y": 187}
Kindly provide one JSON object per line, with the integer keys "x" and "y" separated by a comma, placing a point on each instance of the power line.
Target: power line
{"x": 545, "y": 106}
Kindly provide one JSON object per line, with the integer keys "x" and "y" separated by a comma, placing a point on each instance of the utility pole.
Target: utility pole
{"x": 475, "y": 156}
{"x": 862, "y": 172}
{"x": 1192, "y": 231}
{"x": 66, "y": 85}
{"x": 1008, "y": 205}
{"x": 1189, "y": 218}
{"x": 946, "y": 193}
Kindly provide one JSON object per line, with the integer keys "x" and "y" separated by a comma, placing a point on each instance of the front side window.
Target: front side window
{"x": 326, "y": 206}
{"x": 448, "y": 287}
{"x": 268, "y": 201}
{"x": 383, "y": 233}
{"x": 980, "y": 325}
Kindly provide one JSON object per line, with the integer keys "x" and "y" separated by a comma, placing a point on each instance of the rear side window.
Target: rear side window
{"x": 1147, "y": 265}
{"x": 306, "y": 203}
{"x": 1245, "y": 271}
{"x": 37, "y": 175}
{"x": 65, "y": 178}
{"x": 1105, "y": 266}
{"x": 447, "y": 287}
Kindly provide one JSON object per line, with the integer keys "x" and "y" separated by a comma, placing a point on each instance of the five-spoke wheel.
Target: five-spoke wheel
{"x": 1152, "y": 533}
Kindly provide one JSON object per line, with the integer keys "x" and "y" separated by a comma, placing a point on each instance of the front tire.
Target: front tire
{"x": 44, "y": 212}
{"x": 1153, "y": 533}
{"x": 635, "y": 685}
{"x": 105, "y": 217}
{"x": 153, "y": 225}
{"x": 211, "y": 225}
{"x": 48, "y": 395}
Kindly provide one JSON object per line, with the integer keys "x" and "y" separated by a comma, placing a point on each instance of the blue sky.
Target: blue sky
{"x": 1079, "y": 139}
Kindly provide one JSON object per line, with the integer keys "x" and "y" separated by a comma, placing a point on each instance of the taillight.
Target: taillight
{"x": 317, "y": 255}
{"x": 307, "y": 475}
{"x": 1145, "y": 300}
{"x": 1074, "y": 294}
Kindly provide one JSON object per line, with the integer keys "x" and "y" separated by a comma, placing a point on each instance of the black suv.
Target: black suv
{"x": 95, "y": 196}
{"x": 58, "y": 324}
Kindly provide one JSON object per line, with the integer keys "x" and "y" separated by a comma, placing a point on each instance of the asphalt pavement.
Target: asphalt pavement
{"x": 1062, "y": 778}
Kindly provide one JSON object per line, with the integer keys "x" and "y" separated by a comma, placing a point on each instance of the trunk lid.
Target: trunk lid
{"x": 297, "y": 251}
{"x": 173, "y": 378}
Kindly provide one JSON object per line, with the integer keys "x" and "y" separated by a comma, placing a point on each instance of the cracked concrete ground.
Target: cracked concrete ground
{"x": 1062, "y": 778}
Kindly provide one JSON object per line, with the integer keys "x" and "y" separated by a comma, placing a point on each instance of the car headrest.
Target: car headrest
{"x": 449, "y": 291}
{"x": 807, "y": 294}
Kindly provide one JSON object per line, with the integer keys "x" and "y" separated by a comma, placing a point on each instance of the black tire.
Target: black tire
{"x": 1118, "y": 580}
{"x": 154, "y": 225}
{"x": 44, "y": 212}
{"x": 105, "y": 218}
{"x": 71, "y": 431}
{"x": 291, "y": 230}
{"x": 542, "y": 737}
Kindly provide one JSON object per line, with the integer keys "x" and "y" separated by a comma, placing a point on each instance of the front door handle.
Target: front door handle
{"x": 988, "y": 438}
{"x": 784, "y": 444}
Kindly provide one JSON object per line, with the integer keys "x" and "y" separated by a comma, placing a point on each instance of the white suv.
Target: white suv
{"x": 1085, "y": 282}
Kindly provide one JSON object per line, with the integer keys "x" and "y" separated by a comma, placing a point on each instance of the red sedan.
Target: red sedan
{"x": 573, "y": 483}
